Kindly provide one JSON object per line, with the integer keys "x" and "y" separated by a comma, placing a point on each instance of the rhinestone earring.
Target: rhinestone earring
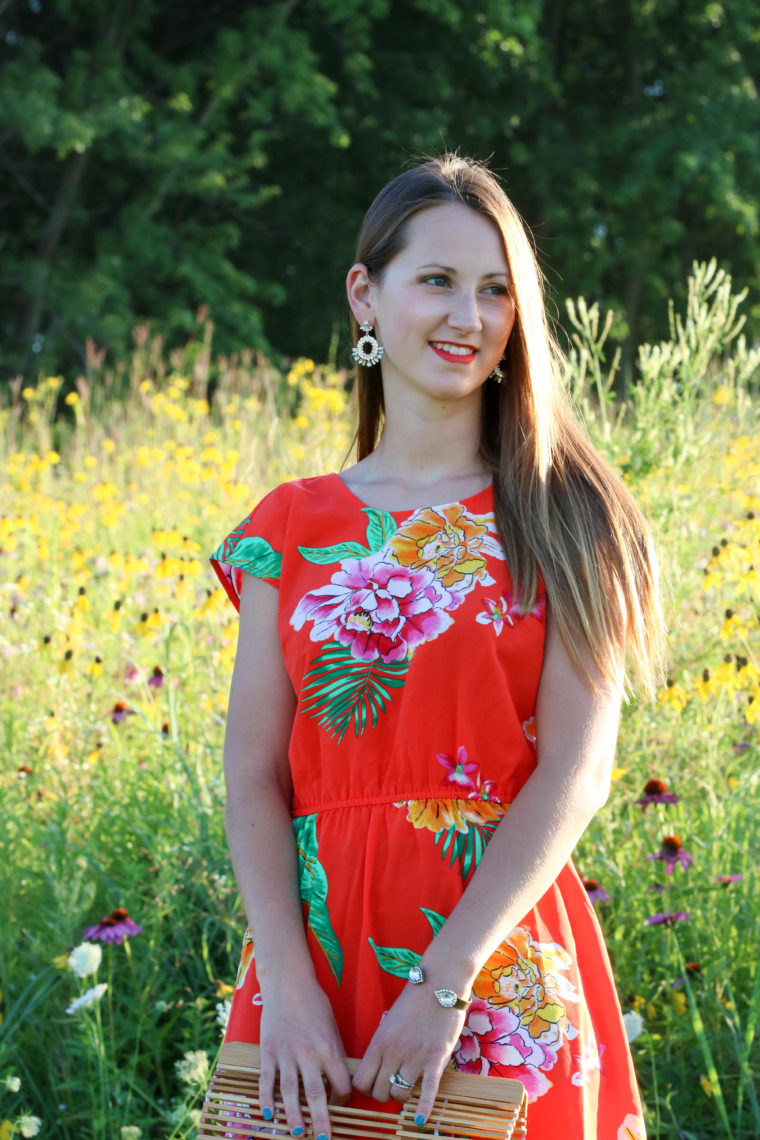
{"x": 368, "y": 350}
{"x": 497, "y": 375}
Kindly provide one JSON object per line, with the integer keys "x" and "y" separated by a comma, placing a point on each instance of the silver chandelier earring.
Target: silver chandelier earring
{"x": 368, "y": 350}
{"x": 497, "y": 375}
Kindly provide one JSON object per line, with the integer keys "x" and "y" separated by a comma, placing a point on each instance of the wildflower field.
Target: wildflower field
{"x": 121, "y": 923}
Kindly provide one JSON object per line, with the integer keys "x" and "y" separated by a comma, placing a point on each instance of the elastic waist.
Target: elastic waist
{"x": 402, "y": 796}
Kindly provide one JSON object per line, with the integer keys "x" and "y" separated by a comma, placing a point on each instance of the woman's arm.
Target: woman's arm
{"x": 298, "y": 1031}
{"x": 576, "y": 733}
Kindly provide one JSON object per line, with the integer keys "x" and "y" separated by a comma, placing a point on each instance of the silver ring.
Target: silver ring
{"x": 399, "y": 1081}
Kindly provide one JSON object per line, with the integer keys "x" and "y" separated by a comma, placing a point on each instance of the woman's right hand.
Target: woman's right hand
{"x": 299, "y": 1039}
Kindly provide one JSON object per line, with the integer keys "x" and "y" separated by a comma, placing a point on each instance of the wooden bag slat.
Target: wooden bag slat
{"x": 484, "y": 1108}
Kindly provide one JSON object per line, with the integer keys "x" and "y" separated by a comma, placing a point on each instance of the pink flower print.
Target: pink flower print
{"x": 378, "y": 608}
{"x": 589, "y": 1061}
{"x": 485, "y": 791}
{"x": 460, "y": 771}
{"x": 494, "y": 1042}
{"x": 495, "y": 613}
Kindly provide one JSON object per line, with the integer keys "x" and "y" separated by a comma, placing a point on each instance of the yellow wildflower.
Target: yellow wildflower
{"x": 674, "y": 695}
{"x": 722, "y": 395}
{"x": 706, "y": 1085}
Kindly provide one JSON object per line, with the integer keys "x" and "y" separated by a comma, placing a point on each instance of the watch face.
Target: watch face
{"x": 446, "y": 997}
{"x": 416, "y": 975}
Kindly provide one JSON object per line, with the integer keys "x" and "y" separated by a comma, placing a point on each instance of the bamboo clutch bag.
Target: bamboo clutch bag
{"x": 467, "y": 1106}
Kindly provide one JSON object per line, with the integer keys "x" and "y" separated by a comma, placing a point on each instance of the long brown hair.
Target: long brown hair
{"x": 561, "y": 511}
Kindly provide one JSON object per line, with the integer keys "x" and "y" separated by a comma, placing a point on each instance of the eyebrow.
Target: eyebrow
{"x": 450, "y": 269}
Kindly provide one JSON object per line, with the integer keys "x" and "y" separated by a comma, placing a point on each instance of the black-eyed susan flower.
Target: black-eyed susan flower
{"x": 656, "y": 792}
{"x": 113, "y": 928}
{"x": 65, "y": 664}
{"x": 672, "y": 852}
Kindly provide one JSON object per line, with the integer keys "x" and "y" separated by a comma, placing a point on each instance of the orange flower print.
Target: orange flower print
{"x": 451, "y": 543}
{"x": 441, "y": 815}
{"x": 632, "y": 1128}
{"x": 530, "y": 978}
{"x": 246, "y": 957}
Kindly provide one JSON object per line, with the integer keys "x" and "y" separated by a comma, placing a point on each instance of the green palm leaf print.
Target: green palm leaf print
{"x": 313, "y": 885}
{"x": 340, "y": 690}
{"x": 466, "y": 846}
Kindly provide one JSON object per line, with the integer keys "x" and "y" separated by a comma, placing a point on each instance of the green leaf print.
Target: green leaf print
{"x": 340, "y": 690}
{"x": 467, "y": 846}
{"x": 253, "y": 554}
{"x": 380, "y": 528}
{"x": 323, "y": 555}
{"x": 395, "y": 960}
{"x": 436, "y": 920}
{"x": 313, "y": 884}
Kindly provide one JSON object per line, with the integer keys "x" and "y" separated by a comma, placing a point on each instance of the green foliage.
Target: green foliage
{"x": 158, "y": 156}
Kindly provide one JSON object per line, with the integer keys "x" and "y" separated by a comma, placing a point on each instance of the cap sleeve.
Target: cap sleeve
{"x": 254, "y": 545}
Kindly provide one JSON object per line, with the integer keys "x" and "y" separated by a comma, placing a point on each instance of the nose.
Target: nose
{"x": 464, "y": 314}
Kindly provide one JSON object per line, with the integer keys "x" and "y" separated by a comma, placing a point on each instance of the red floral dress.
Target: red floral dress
{"x": 417, "y": 670}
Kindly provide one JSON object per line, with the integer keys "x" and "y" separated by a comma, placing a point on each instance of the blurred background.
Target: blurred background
{"x": 159, "y": 156}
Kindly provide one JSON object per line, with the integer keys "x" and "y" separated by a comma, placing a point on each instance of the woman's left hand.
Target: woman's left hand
{"x": 415, "y": 1038}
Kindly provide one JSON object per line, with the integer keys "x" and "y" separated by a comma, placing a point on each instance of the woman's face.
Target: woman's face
{"x": 442, "y": 308}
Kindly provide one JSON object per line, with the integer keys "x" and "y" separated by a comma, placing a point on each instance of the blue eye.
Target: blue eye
{"x": 438, "y": 279}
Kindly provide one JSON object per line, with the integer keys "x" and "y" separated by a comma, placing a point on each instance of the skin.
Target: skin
{"x": 427, "y": 454}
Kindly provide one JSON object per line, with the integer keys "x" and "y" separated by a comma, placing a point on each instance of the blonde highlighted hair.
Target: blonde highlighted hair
{"x": 561, "y": 511}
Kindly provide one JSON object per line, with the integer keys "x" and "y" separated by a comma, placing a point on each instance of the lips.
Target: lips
{"x": 456, "y": 353}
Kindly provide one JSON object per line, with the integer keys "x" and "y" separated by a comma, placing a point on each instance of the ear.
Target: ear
{"x": 359, "y": 292}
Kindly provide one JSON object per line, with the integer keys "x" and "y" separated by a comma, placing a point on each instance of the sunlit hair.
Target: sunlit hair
{"x": 561, "y": 512}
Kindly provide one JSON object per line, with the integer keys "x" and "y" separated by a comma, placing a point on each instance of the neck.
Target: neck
{"x": 423, "y": 445}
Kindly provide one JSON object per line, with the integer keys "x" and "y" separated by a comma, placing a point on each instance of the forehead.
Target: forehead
{"x": 453, "y": 234}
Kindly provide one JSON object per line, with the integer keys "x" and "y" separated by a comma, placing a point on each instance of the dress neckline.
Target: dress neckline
{"x": 484, "y": 494}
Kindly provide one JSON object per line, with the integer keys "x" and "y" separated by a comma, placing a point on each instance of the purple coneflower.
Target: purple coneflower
{"x": 656, "y": 792}
{"x": 595, "y": 892}
{"x": 672, "y": 851}
{"x": 120, "y": 711}
{"x": 693, "y": 969}
{"x": 114, "y": 928}
{"x": 156, "y": 678}
{"x": 667, "y": 919}
{"x": 724, "y": 880}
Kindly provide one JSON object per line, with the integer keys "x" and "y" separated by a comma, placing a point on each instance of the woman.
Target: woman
{"x": 428, "y": 702}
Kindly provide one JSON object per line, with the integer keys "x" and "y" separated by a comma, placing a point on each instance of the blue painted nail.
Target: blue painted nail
{"x": 322, "y": 1136}
{"x": 266, "y": 1113}
{"x": 297, "y": 1131}
{"x": 419, "y": 1119}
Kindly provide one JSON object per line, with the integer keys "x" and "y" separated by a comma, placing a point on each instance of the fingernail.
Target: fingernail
{"x": 419, "y": 1119}
{"x": 321, "y": 1136}
{"x": 297, "y": 1131}
{"x": 266, "y": 1113}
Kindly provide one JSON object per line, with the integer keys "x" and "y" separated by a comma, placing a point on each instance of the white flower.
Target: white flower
{"x": 634, "y": 1024}
{"x": 223, "y": 1009}
{"x": 161, "y": 1006}
{"x": 13, "y": 1084}
{"x": 193, "y": 1068}
{"x": 89, "y": 997}
{"x": 28, "y": 1125}
{"x": 130, "y": 1132}
{"x": 85, "y": 959}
